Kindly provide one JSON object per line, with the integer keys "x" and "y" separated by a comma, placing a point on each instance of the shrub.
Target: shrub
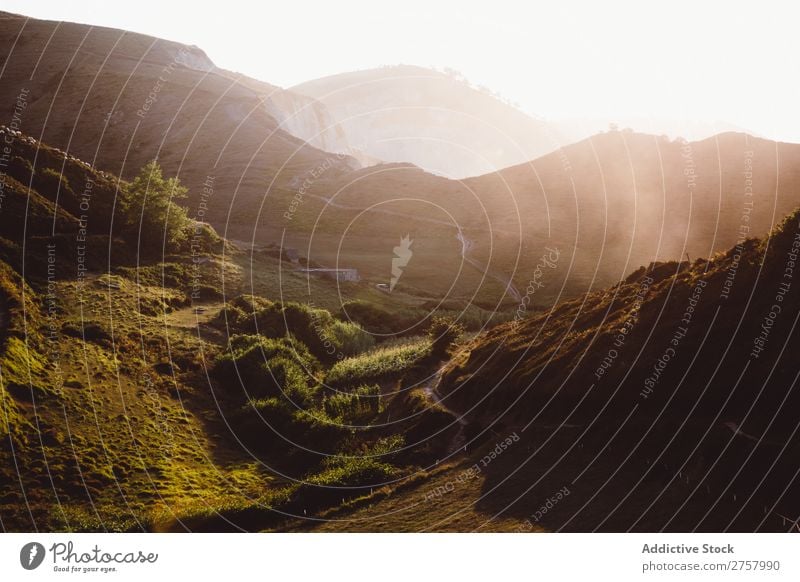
{"x": 267, "y": 424}
{"x": 305, "y": 427}
{"x": 443, "y": 333}
{"x": 238, "y": 312}
{"x": 353, "y": 472}
{"x": 367, "y": 467}
{"x": 202, "y": 238}
{"x": 354, "y": 408}
{"x": 269, "y": 367}
{"x": 346, "y": 476}
{"x": 378, "y": 364}
{"x": 376, "y": 319}
{"x": 351, "y": 338}
{"x": 326, "y": 337}
{"x": 408, "y": 321}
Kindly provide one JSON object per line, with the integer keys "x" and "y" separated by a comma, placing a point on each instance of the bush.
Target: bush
{"x": 238, "y": 312}
{"x": 353, "y": 472}
{"x": 269, "y": 367}
{"x": 305, "y": 427}
{"x": 346, "y": 476}
{"x": 267, "y": 424}
{"x": 285, "y": 377}
{"x": 378, "y": 364}
{"x": 404, "y": 322}
{"x": 443, "y": 333}
{"x": 201, "y": 238}
{"x": 351, "y": 338}
{"x": 326, "y": 337}
{"x": 377, "y": 320}
{"x": 354, "y": 408}
{"x": 367, "y": 467}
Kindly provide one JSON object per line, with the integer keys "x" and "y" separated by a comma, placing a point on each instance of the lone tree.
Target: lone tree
{"x": 150, "y": 211}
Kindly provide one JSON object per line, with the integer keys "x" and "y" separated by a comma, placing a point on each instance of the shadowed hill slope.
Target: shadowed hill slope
{"x": 665, "y": 403}
{"x": 732, "y": 315}
{"x": 118, "y": 99}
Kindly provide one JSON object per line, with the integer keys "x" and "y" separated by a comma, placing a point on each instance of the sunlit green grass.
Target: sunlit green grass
{"x": 378, "y": 363}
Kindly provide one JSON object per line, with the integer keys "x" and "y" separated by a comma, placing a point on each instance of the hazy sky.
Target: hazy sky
{"x": 706, "y": 61}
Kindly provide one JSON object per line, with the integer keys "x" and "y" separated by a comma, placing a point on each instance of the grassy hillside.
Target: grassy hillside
{"x": 144, "y": 385}
{"x": 167, "y": 393}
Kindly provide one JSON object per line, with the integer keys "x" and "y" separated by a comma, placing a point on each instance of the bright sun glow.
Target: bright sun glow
{"x": 717, "y": 61}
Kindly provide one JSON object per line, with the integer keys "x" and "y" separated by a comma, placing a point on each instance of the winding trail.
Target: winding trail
{"x": 460, "y": 438}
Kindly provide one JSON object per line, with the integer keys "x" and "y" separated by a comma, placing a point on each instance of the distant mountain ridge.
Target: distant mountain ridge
{"x": 431, "y": 119}
{"x": 443, "y": 124}
{"x": 609, "y": 204}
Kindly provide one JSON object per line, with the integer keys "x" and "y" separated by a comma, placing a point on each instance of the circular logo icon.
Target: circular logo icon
{"x": 31, "y": 555}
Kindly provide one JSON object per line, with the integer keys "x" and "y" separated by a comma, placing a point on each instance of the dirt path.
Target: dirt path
{"x": 460, "y": 439}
